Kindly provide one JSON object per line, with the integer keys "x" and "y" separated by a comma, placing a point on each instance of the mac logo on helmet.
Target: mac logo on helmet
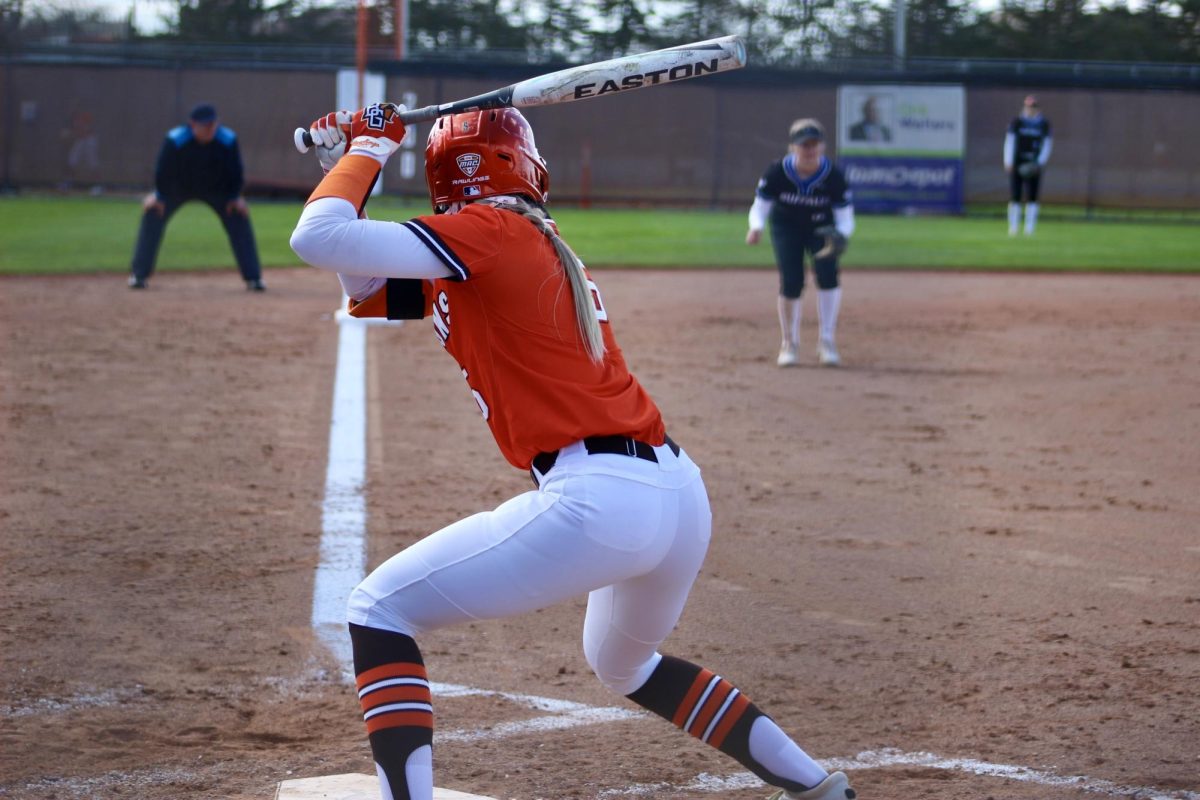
{"x": 468, "y": 163}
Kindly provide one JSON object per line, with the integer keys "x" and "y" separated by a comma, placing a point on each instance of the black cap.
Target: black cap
{"x": 203, "y": 113}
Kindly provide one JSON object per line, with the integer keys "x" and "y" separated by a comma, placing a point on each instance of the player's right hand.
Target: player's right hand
{"x": 753, "y": 236}
{"x": 377, "y": 131}
{"x": 151, "y": 203}
{"x": 330, "y": 135}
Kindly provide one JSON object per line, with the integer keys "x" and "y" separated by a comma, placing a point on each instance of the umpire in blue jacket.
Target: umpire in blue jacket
{"x": 198, "y": 161}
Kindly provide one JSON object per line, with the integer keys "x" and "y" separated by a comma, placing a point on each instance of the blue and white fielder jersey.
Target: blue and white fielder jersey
{"x": 803, "y": 204}
{"x": 1029, "y": 133}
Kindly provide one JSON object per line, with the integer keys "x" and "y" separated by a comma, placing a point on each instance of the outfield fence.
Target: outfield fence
{"x": 87, "y": 121}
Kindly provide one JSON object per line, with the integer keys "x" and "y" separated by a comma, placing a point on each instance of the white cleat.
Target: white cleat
{"x": 835, "y": 787}
{"x": 827, "y": 354}
{"x": 787, "y": 356}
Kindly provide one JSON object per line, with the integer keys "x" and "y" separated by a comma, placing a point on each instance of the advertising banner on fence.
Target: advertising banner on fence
{"x": 901, "y": 147}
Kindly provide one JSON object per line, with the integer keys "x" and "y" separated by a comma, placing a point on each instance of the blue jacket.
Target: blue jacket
{"x": 187, "y": 169}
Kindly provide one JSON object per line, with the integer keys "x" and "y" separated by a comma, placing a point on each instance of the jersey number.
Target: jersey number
{"x": 479, "y": 401}
{"x": 601, "y": 313}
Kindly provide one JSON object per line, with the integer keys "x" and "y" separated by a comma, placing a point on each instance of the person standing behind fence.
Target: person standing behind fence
{"x": 198, "y": 161}
{"x": 808, "y": 203}
{"x": 1026, "y": 151}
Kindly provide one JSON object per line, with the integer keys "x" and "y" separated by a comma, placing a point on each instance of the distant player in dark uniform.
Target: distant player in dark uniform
{"x": 198, "y": 161}
{"x": 1026, "y": 151}
{"x": 808, "y": 204}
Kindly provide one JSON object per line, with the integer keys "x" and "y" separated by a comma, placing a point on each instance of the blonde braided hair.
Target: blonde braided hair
{"x": 585, "y": 305}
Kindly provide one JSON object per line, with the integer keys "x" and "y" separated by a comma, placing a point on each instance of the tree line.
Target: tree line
{"x": 786, "y": 33}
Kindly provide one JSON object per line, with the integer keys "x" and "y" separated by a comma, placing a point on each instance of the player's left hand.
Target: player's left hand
{"x": 377, "y": 131}
{"x": 237, "y": 206}
{"x": 835, "y": 242}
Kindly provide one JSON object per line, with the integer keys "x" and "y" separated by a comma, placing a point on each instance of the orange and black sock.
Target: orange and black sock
{"x": 397, "y": 707}
{"x": 714, "y": 711}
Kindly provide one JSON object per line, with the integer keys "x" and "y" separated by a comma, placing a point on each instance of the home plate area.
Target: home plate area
{"x": 351, "y": 786}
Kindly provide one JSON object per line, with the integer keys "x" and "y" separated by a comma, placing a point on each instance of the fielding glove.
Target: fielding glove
{"x": 1029, "y": 169}
{"x": 835, "y": 242}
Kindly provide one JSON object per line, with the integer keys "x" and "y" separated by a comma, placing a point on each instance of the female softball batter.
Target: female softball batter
{"x": 807, "y": 201}
{"x": 619, "y": 512}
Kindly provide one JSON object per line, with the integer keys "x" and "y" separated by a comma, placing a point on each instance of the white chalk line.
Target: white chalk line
{"x": 344, "y": 510}
{"x": 881, "y": 759}
{"x": 342, "y": 566}
{"x": 96, "y": 699}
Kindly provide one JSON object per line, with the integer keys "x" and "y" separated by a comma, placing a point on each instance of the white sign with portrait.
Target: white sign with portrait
{"x": 883, "y": 119}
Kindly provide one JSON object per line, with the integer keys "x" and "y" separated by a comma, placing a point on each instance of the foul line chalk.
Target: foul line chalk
{"x": 351, "y": 787}
{"x": 880, "y": 759}
{"x": 342, "y": 562}
{"x": 344, "y": 511}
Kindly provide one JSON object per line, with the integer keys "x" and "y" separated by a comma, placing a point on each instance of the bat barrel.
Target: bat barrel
{"x": 642, "y": 70}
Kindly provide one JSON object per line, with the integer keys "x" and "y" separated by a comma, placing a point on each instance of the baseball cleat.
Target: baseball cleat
{"x": 827, "y": 354}
{"x": 256, "y": 285}
{"x": 787, "y": 356}
{"x": 136, "y": 283}
{"x": 836, "y": 786}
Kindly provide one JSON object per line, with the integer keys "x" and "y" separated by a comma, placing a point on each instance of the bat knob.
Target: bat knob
{"x": 302, "y": 139}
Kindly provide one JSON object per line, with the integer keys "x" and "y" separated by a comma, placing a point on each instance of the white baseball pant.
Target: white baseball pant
{"x": 632, "y": 533}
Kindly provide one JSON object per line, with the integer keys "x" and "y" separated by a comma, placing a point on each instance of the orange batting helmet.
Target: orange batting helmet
{"x": 478, "y": 154}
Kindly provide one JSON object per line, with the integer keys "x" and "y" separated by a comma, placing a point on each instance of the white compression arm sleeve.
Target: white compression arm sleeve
{"x": 1010, "y": 146}
{"x": 843, "y": 220}
{"x": 759, "y": 213}
{"x": 330, "y": 236}
{"x": 359, "y": 288}
{"x": 1044, "y": 153}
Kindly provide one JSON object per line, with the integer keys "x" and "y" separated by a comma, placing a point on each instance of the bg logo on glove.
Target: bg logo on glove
{"x": 377, "y": 116}
{"x": 377, "y": 130}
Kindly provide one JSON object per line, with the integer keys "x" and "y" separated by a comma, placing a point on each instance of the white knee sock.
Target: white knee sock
{"x": 1014, "y": 217}
{"x": 829, "y": 301}
{"x": 789, "y": 320}
{"x": 1031, "y": 215}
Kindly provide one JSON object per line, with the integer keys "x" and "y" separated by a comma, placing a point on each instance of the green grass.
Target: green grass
{"x": 53, "y": 234}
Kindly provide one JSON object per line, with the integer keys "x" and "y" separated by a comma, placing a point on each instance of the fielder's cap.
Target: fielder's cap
{"x": 1030, "y": 100}
{"x": 803, "y": 130}
{"x": 203, "y": 113}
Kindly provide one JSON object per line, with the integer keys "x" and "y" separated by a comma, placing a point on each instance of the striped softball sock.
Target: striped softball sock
{"x": 714, "y": 711}
{"x": 398, "y": 710}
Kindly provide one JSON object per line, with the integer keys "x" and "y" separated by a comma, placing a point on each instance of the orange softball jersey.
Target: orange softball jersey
{"x": 508, "y": 320}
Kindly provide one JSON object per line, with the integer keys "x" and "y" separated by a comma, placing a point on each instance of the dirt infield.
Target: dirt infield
{"x": 980, "y": 539}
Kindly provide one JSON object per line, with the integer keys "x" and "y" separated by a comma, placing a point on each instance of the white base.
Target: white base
{"x": 351, "y": 787}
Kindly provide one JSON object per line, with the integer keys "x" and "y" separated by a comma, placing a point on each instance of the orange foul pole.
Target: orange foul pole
{"x": 401, "y": 28}
{"x": 360, "y": 48}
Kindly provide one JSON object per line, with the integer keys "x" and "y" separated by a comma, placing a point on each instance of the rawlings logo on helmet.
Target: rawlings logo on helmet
{"x": 468, "y": 163}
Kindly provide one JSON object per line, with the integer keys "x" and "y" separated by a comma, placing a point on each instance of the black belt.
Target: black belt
{"x": 613, "y": 445}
